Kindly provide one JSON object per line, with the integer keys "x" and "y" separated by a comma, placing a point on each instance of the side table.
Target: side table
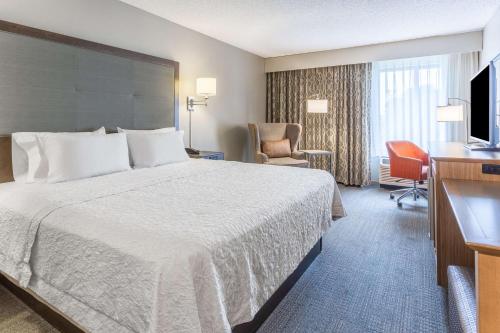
{"x": 313, "y": 153}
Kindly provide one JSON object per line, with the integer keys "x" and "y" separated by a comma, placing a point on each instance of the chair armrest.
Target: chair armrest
{"x": 425, "y": 158}
{"x": 261, "y": 158}
{"x": 298, "y": 155}
{"x": 406, "y": 167}
{"x": 421, "y": 155}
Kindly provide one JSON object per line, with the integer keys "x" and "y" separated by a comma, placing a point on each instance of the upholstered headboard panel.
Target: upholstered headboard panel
{"x": 66, "y": 84}
{"x": 53, "y": 82}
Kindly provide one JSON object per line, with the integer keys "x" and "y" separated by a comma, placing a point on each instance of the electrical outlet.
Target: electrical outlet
{"x": 492, "y": 169}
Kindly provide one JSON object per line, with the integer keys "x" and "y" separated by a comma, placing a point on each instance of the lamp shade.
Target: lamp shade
{"x": 206, "y": 86}
{"x": 317, "y": 105}
{"x": 450, "y": 113}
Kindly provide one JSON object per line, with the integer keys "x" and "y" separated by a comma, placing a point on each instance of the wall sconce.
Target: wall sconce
{"x": 317, "y": 105}
{"x": 205, "y": 87}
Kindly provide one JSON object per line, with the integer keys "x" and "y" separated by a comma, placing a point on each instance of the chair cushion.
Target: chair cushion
{"x": 288, "y": 161}
{"x": 279, "y": 148}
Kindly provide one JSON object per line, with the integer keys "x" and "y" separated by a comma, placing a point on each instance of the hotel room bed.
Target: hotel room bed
{"x": 187, "y": 247}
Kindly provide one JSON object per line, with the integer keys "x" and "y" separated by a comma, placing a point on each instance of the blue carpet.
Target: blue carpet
{"x": 376, "y": 273}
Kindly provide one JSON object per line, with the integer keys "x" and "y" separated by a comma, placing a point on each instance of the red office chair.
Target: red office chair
{"x": 410, "y": 162}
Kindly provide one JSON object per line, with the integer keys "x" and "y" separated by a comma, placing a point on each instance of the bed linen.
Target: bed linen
{"x": 197, "y": 246}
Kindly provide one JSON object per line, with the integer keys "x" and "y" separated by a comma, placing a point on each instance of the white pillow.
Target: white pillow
{"x": 28, "y": 163}
{"x": 159, "y": 130}
{"x": 75, "y": 157}
{"x": 152, "y": 149}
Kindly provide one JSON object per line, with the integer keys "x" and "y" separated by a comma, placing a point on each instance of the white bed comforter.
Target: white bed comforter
{"x": 190, "y": 247}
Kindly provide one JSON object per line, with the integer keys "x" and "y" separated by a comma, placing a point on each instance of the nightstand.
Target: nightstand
{"x": 208, "y": 155}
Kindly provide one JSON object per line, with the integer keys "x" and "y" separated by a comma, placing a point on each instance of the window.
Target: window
{"x": 405, "y": 95}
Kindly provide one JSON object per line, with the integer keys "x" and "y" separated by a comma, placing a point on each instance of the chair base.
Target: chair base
{"x": 415, "y": 192}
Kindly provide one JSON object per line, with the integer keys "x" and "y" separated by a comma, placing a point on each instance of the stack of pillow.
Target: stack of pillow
{"x": 57, "y": 157}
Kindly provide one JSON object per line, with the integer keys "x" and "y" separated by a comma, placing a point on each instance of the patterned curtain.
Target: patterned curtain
{"x": 343, "y": 130}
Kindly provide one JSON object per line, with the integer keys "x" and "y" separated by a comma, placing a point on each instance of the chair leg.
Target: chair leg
{"x": 413, "y": 191}
{"x": 391, "y": 194}
{"x": 404, "y": 195}
{"x": 422, "y": 193}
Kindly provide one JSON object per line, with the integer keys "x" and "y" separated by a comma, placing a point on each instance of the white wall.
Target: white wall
{"x": 471, "y": 41}
{"x": 491, "y": 39}
{"x": 240, "y": 75}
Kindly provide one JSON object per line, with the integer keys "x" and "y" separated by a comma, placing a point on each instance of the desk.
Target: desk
{"x": 472, "y": 213}
{"x": 451, "y": 161}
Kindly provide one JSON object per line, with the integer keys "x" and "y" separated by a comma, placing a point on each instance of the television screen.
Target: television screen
{"x": 480, "y": 106}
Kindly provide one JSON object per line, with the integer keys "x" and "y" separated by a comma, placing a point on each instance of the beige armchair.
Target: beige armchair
{"x": 265, "y": 133}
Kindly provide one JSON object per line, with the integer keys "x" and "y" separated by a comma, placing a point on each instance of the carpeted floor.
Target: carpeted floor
{"x": 15, "y": 317}
{"x": 375, "y": 274}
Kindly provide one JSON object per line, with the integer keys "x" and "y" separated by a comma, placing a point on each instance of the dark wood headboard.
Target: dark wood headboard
{"x": 5, "y": 159}
{"x": 54, "y": 82}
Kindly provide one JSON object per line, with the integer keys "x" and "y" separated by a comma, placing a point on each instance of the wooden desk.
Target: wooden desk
{"x": 472, "y": 212}
{"x": 452, "y": 161}
{"x": 456, "y": 152}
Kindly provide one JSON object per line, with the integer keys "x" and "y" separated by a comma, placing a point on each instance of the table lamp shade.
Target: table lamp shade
{"x": 206, "y": 86}
{"x": 317, "y": 105}
{"x": 450, "y": 113}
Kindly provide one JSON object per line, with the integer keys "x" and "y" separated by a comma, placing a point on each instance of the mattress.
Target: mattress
{"x": 197, "y": 246}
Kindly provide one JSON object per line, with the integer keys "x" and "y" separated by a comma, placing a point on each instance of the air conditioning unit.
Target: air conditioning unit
{"x": 385, "y": 179}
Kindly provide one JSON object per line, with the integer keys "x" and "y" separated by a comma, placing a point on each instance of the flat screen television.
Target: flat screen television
{"x": 480, "y": 111}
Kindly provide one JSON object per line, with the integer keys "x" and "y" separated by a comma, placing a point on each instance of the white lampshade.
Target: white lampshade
{"x": 206, "y": 86}
{"x": 317, "y": 105}
{"x": 450, "y": 113}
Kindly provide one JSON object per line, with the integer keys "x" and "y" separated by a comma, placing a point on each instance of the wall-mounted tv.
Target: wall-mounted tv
{"x": 481, "y": 120}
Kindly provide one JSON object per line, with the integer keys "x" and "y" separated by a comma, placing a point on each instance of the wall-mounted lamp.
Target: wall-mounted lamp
{"x": 205, "y": 87}
{"x": 317, "y": 105}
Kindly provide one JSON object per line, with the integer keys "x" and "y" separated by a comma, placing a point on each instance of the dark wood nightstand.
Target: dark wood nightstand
{"x": 208, "y": 155}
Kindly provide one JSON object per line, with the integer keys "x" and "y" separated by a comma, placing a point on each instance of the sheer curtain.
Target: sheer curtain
{"x": 461, "y": 68}
{"x": 406, "y": 93}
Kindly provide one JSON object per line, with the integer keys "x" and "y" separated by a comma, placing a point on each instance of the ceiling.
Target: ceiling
{"x": 271, "y": 28}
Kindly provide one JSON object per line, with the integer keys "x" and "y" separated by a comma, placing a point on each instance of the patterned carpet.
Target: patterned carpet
{"x": 375, "y": 274}
{"x": 15, "y": 317}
